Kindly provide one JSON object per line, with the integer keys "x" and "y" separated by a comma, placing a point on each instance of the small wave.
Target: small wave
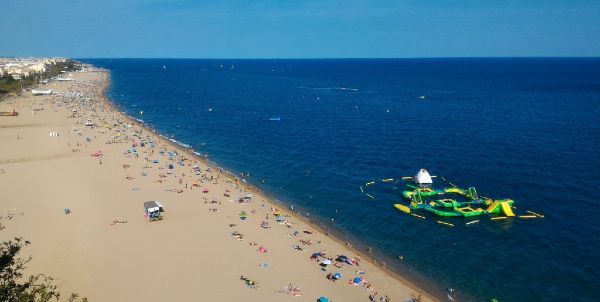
{"x": 137, "y": 119}
{"x": 133, "y": 118}
{"x": 177, "y": 142}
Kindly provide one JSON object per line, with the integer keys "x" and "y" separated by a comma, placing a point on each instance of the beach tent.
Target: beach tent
{"x": 423, "y": 177}
{"x": 326, "y": 262}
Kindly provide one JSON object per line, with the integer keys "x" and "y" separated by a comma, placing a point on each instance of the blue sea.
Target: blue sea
{"x": 520, "y": 128}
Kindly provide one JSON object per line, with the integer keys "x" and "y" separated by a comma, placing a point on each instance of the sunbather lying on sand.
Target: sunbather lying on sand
{"x": 250, "y": 283}
{"x": 237, "y": 235}
{"x": 293, "y": 290}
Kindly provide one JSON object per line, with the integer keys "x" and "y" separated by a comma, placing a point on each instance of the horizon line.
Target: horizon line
{"x": 343, "y": 58}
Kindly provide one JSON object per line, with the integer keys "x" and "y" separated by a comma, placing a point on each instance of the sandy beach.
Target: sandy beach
{"x": 106, "y": 249}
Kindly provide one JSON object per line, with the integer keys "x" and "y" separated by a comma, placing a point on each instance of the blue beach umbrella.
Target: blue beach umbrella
{"x": 357, "y": 280}
{"x": 337, "y": 275}
{"x": 323, "y": 299}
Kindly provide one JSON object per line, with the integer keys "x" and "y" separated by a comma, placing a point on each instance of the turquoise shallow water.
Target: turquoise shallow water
{"x": 528, "y": 129}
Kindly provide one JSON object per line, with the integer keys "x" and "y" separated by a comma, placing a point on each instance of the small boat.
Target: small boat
{"x": 275, "y": 118}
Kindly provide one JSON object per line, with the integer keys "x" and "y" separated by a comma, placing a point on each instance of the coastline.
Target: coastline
{"x": 373, "y": 269}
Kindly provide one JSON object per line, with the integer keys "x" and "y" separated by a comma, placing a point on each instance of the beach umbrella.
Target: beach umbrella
{"x": 323, "y": 299}
{"x": 337, "y": 275}
{"x": 316, "y": 255}
{"x": 326, "y": 262}
{"x": 357, "y": 280}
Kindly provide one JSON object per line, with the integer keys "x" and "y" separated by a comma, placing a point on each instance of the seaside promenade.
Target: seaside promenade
{"x": 75, "y": 173}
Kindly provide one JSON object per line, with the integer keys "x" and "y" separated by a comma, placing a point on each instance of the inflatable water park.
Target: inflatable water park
{"x": 420, "y": 198}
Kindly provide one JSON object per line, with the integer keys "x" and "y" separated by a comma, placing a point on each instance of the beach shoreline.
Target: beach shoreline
{"x": 423, "y": 288}
{"x": 380, "y": 273}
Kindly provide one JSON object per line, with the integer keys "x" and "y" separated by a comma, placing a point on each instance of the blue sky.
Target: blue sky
{"x": 299, "y": 29}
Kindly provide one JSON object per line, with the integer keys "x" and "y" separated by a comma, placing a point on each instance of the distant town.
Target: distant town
{"x": 16, "y": 74}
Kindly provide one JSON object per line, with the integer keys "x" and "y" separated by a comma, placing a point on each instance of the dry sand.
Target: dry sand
{"x": 188, "y": 256}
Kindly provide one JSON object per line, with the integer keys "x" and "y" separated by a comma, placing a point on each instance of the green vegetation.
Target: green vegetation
{"x": 9, "y": 85}
{"x": 14, "y": 286}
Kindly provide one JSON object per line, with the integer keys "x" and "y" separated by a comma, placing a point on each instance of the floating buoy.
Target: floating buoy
{"x": 418, "y": 216}
{"x": 534, "y": 213}
{"x": 370, "y": 196}
{"x": 388, "y": 180}
{"x": 369, "y": 183}
{"x": 528, "y": 216}
{"x": 471, "y": 222}
{"x": 445, "y": 223}
{"x": 499, "y": 218}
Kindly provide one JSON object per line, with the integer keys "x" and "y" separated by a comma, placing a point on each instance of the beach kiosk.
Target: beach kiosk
{"x": 153, "y": 210}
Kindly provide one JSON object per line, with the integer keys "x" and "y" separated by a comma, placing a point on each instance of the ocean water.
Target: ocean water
{"x": 526, "y": 129}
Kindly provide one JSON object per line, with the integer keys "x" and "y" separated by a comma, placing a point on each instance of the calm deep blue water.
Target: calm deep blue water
{"x": 527, "y": 129}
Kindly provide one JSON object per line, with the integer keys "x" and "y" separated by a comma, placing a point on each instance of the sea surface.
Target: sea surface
{"x": 520, "y": 128}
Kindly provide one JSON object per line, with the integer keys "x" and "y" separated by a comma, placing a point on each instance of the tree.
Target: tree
{"x": 14, "y": 287}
